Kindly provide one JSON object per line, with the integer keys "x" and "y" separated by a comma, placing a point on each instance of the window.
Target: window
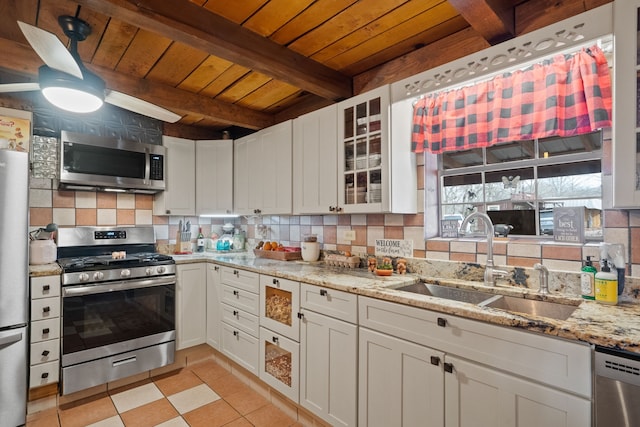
{"x": 520, "y": 183}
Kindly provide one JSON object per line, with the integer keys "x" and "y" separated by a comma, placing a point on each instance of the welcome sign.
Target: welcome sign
{"x": 394, "y": 248}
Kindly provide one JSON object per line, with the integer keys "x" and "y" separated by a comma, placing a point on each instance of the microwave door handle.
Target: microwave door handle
{"x": 73, "y": 291}
{"x": 147, "y": 166}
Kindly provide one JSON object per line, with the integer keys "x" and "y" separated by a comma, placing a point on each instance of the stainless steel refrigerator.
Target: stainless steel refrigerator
{"x": 14, "y": 285}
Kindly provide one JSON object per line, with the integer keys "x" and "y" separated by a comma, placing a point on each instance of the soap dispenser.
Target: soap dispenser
{"x": 587, "y": 280}
{"x": 606, "y": 285}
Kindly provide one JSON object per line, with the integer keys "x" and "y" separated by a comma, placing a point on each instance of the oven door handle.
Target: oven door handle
{"x": 123, "y": 285}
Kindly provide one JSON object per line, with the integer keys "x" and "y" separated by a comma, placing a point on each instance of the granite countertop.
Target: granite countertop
{"x": 38, "y": 270}
{"x": 614, "y": 326}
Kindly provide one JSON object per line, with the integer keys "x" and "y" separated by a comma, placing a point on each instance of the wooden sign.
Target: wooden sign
{"x": 568, "y": 224}
{"x": 449, "y": 228}
{"x": 394, "y": 248}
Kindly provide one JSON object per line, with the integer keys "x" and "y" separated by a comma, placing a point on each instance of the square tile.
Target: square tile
{"x": 208, "y": 370}
{"x": 246, "y": 401}
{"x": 86, "y": 412}
{"x": 114, "y": 421}
{"x": 177, "y": 381}
{"x": 150, "y": 414}
{"x": 214, "y": 414}
{"x": 227, "y": 385}
{"x": 175, "y": 422}
{"x": 269, "y": 416}
{"x": 86, "y": 199}
{"x": 135, "y": 397}
{"x": 193, "y": 398}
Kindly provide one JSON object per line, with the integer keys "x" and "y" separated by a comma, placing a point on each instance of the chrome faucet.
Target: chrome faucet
{"x": 490, "y": 273}
{"x": 544, "y": 278}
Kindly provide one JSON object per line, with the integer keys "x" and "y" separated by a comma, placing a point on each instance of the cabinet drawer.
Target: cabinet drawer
{"x": 45, "y": 308}
{"x": 240, "y": 319}
{"x": 43, "y": 330}
{"x": 339, "y": 304}
{"x": 45, "y": 351}
{"x": 241, "y": 347}
{"x": 241, "y": 279}
{"x": 45, "y": 287}
{"x": 43, "y": 374}
{"x": 279, "y": 359}
{"x": 241, "y": 299}
{"x": 553, "y": 361}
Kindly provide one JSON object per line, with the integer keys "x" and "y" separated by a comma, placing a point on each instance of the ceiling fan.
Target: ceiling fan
{"x": 67, "y": 83}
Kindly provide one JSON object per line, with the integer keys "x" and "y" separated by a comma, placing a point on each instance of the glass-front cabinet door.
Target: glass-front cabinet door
{"x": 626, "y": 104}
{"x": 362, "y": 152}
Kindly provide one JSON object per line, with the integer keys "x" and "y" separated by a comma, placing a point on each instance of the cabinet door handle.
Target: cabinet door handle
{"x": 274, "y": 339}
{"x": 235, "y": 272}
{"x": 168, "y": 211}
{"x": 45, "y": 353}
{"x": 45, "y": 288}
{"x": 300, "y": 315}
{"x": 46, "y": 309}
{"x": 216, "y": 268}
{"x": 235, "y": 333}
{"x": 442, "y": 322}
{"x": 235, "y": 312}
{"x": 276, "y": 282}
{"x": 44, "y": 375}
{"x": 448, "y": 367}
{"x": 323, "y": 292}
{"x": 435, "y": 360}
{"x": 332, "y": 208}
{"x": 45, "y": 331}
{"x": 236, "y": 293}
{"x": 338, "y": 209}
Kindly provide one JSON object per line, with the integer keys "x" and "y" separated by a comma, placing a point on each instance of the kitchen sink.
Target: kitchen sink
{"x": 447, "y": 292}
{"x": 548, "y": 309}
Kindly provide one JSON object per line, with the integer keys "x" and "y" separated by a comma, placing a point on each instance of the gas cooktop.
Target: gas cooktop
{"x": 103, "y": 262}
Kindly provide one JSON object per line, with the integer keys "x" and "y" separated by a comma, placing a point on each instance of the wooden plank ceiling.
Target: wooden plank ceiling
{"x": 222, "y": 64}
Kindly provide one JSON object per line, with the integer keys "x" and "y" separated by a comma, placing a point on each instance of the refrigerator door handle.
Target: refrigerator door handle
{"x": 10, "y": 339}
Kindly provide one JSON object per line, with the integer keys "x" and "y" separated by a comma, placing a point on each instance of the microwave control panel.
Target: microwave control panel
{"x": 156, "y": 171}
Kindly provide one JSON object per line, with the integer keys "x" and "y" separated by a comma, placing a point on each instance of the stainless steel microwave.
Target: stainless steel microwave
{"x": 94, "y": 163}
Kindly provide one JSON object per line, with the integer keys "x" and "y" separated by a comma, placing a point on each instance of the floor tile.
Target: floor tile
{"x": 47, "y": 418}
{"x": 240, "y": 422}
{"x": 208, "y": 370}
{"x": 175, "y": 422}
{"x": 88, "y": 412}
{"x": 177, "y": 381}
{"x": 246, "y": 401}
{"x": 130, "y": 399}
{"x": 193, "y": 398}
{"x": 114, "y": 421}
{"x": 214, "y": 414}
{"x": 227, "y": 385}
{"x": 150, "y": 414}
{"x": 269, "y": 416}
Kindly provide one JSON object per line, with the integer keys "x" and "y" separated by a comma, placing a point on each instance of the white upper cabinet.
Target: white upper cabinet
{"x": 263, "y": 171}
{"x": 179, "y": 197}
{"x": 626, "y": 105}
{"x": 376, "y": 172}
{"x": 315, "y": 162}
{"x": 214, "y": 177}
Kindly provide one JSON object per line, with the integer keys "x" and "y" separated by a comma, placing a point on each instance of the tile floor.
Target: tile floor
{"x": 202, "y": 394}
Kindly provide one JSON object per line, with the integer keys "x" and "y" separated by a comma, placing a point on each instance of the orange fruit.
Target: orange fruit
{"x": 266, "y": 246}
{"x": 274, "y": 245}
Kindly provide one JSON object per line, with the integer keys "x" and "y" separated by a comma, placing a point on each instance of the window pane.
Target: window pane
{"x": 462, "y": 189}
{"x": 576, "y": 180}
{"x": 513, "y": 189}
{"x": 461, "y": 159}
{"x": 592, "y": 216}
{"x": 557, "y": 146}
{"x": 510, "y": 152}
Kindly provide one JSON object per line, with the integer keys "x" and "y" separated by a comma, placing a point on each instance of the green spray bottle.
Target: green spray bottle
{"x": 587, "y": 280}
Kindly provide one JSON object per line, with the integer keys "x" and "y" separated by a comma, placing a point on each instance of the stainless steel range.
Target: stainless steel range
{"x": 118, "y": 304}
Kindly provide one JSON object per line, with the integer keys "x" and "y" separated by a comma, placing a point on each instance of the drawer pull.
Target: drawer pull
{"x": 300, "y": 315}
{"x": 45, "y": 331}
{"x": 216, "y": 268}
{"x": 117, "y": 363}
{"x": 44, "y": 375}
{"x": 235, "y": 272}
{"x": 435, "y": 360}
{"x": 45, "y": 353}
{"x": 274, "y": 339}
{"x": 46, "y": 309}
{"x": 448, "y": 367}
{"x": 235, "y": 333}
{"x": 442, "y": 322}
{"x": 236, "y": 293}
{"x": 46, "y": 288}
{"x": 276, "y": 282}
{"x": 323, "y": 292}
{"x": 235, "y": 312}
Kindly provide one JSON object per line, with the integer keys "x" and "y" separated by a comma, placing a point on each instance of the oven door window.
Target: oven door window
{"x": 96, "y": 320}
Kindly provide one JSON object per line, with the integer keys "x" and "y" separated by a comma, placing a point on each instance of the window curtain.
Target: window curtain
{"x": 563, "y": 96}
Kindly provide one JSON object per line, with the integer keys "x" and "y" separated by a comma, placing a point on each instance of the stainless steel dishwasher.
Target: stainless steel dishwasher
{"x": 617, "y": 388}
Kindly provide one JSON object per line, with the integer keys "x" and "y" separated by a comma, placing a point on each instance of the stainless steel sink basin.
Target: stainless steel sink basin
{"x": 549, "y": 309}
{"x": 447, "y": 292}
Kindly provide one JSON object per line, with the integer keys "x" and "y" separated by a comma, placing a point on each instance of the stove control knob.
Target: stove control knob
{"x": 98, "y": 275}
{"x": 148, "y": 271}
{"x": 161, "y": 269}
{"x": 83, "y": 277}
{"x": 125, "y": 273}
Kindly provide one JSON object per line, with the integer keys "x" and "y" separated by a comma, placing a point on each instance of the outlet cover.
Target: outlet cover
{"x": 349, "y": 235}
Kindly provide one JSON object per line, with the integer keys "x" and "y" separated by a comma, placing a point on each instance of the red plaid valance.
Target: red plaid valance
{"x": 566, "y": 95}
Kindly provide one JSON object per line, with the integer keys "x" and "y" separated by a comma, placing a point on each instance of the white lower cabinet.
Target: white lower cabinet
{"x": 191, "y": 305}
{"x": 241, "y": 347}
{"x": 493, "y": 376}
{"x": 329, "y": 354}
{"x": 44, "y": 360}
{"x": 478, "y": 396}
{"x": 279, "y": 359}
{"x": 213, "y": 306}
{"x": 401, "y": 383}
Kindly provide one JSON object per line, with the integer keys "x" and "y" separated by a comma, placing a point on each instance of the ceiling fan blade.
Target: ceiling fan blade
{"x": 139, "y": 106}
{"x": 18, "y": 87}
{"x": 50, "y": 49}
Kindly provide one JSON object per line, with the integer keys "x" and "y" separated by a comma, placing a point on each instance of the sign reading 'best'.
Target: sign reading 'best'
{"x": 394, "y": 248}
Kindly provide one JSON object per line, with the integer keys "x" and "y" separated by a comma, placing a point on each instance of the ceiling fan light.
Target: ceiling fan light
{"x": 70, "y": 93}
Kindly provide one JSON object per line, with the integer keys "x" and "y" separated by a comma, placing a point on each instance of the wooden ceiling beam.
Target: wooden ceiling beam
{"x": 492, "y": 19}
{"x": 204, "y": 30}
{"x": 25, "y": 61}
